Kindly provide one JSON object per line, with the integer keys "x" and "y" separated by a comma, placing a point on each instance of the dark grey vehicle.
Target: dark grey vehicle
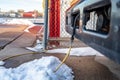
{"x": 97, "y": 23}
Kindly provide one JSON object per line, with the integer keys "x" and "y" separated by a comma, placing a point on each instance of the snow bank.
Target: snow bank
{"x": 19, "y": 21}
{"x": 38, "y": 69}
{"x": 82, "y": 51}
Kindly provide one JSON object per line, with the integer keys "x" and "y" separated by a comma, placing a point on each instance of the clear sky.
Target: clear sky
{"x": 27, "y": 5}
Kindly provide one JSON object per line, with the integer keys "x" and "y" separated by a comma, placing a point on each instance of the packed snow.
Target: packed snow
{"x": 38, "y": 69}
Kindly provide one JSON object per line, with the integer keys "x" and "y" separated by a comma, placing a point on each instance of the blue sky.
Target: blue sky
{"x": 27, "y": 5}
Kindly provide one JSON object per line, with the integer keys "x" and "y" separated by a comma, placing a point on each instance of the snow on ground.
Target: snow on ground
{"x": 27, "y": 22}
{"x": 2, "y": 63}
{"x": 2, "y": 20}
{"x": 38, "y": 69}
{"x": 82, "y": 51}
{"x": 18, "y": 21}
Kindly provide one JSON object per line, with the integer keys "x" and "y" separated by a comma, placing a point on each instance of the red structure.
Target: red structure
{"x": 54, "y": 18}
{"x": 29, "y": 15}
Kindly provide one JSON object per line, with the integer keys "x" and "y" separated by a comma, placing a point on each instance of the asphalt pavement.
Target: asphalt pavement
{"x": 17, "y": 46}
{"x": 13, "y": 40}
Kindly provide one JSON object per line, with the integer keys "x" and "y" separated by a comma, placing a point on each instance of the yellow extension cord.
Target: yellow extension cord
{"x": 64, "y": 59}
{"x": 20, "y": 55}
{"x": 16, "y": 56}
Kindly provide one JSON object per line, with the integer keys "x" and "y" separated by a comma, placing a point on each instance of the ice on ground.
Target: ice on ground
{"x": 38, "y": 69}
{"x": 82, "y": 51}
{"x": 19, "y": 21}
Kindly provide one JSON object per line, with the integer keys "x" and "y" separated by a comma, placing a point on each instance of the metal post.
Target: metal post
{"x": 45, "y": 25}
